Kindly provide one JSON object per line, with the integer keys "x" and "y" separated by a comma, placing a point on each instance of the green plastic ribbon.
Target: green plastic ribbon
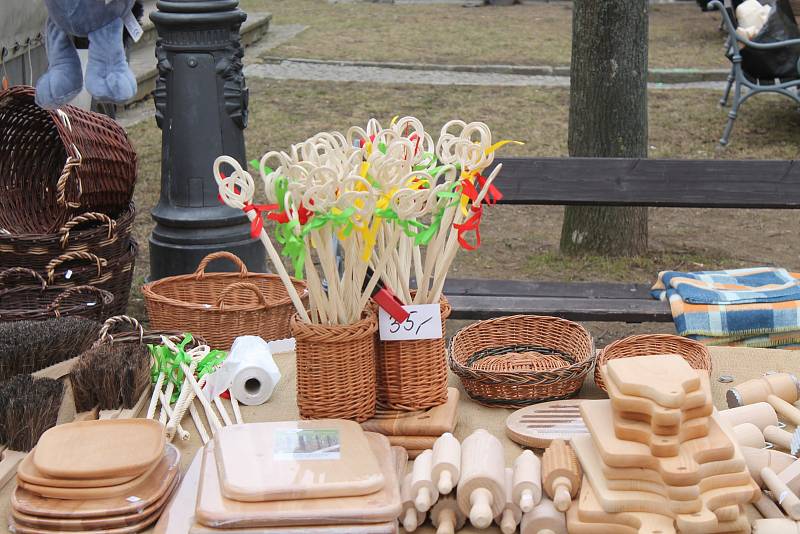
{"x": 210, "y": 363}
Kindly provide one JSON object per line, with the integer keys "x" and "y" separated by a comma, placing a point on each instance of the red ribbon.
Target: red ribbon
{"x": 494, "y": 195}
{"x": 470, "y": 225}
{"x": 257, "y": 224}
{"x": 303, "y": 215}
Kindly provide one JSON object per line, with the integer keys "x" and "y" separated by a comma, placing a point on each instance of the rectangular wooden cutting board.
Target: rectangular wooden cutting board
{"x": 433, "y": 422}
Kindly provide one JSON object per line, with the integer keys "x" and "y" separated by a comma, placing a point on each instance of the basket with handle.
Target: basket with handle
{"x": 35, "y": 300}
{"x": 56, "y": 163}
{"x": 521, "y": 359}
{"x": 222, "y": 306}
{"x": 412, "y": 375}
{"x": 104, "y": 235}
{"x": 695, "y": 353}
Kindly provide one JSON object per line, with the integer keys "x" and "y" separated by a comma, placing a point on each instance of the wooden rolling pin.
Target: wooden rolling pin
{"x": 767, "y": 507}
{"x": 481, "y": 487}
{"x": 780, "y": 390}
{"x": 749, "y": 435}
{"x": 775, "y": 526}
{"x": 512, "y": 513}
{"x": 761, "y": 414}
{"x": 561, "y": 474}
{"x": 785, "y": 497}
{"x": 446, "y": 463}
{"x": 410, "y": 518}
{"x": 446, "y": 516}
{"x": 544, "y": 519}
{"x": 779, "y": 437}
{"x": 758, "y": 459}
{"x": 422, "y": 487}
{"x": 527, "y": 487}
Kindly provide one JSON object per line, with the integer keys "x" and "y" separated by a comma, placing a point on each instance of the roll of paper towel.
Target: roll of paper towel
{"x": 249, "y": 372}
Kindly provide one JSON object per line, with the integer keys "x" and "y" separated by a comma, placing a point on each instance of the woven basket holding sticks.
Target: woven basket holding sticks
{"x": 107, "y": 236}
{"x": 36, "y": 300}
{"x": 695, "y": 353}
{"x": 522, "y": 359}
{"x": 55, "y": 164}
{"x": 222, "y": 306}
{"x": 412, "y": 375}
{"x": 336, "y": 368}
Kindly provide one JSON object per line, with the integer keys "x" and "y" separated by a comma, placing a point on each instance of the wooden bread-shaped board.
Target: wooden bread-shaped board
{"x": 636, "y": 482}
{"x": 481, "y": 488}
{"x": 27, "y": 472}
{"x": 544, "y": 517}
{"x": 432, "y": 422}
{"x": 561, "y": 474}
{"x": 664, "y": 379}
{"x": 412, "y": 442}
{"x": 660, "y": 444}
{"x": 138, "y": 499}
{"x": 761, "y": 414}
{"x": 589, "y": 510}
{"x": 728, "y": 513}
{"x": 526, "y": 490}
{"x": 215, "y": 510}
{"x": 576, "y": 526}
{"x": 536, "y": 426}
{"x": 97, "y": 523}
{"x": 178, "y": 514}
{"x": 169, "y": 457}
{"x": 107, "y": 448}
{"x": 446, "y": 463}
{"x": 296, "y": 460}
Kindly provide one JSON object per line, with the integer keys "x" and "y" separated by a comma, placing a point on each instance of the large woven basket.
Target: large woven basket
{"x": 522, "y": 359}
{"x": 35, "y": 301}
{"x": 222, "y": 306}
{"x": 107, "y": 236}
{"x": 55, "y": 164}
{"x": 412, "y": 375}
{"x": 115, "y": 275}
{"x": 336, "y": 368}
{"x": 695, "y": 353}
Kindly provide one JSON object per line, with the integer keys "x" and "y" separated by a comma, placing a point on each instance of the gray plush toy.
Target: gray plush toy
{"x": 108, "y": 76}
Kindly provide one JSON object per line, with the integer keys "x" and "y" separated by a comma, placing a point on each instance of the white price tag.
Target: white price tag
{"x": 68, "y": 274}
{"x": 133, "y": 27}
{"x": 424, "y": 322}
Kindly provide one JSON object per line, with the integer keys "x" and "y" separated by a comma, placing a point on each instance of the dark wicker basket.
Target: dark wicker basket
{"x": 107, "y": 236}
{"x": 55, "y": 164}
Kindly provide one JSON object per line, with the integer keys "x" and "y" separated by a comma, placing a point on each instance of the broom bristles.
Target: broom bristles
{"x": 110, "y": 376}
{"x": 28, "y": 407}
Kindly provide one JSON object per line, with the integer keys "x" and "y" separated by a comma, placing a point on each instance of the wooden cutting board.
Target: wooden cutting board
{"x": 149, "y": 492}
{"x": 698, "y": 404}
{"x": 432, "y": 422}
{"x": 20, "y": 529}
{"x": 379, "y": 528}
{"x": 296, "y": 460}
{"x": 215, "y": 510}
{"x": 414, "y": 443}
{"x": 27, "y": 472}
{"x": 97, "y": 523}
{"x": 664, "y": 379}
{"x": 660, "y": 444}
{"x": 106, "y": 448}
{"x": 589, "y": 510}
{"x": 576, "y": 526}
{"x": 537, "y": 425}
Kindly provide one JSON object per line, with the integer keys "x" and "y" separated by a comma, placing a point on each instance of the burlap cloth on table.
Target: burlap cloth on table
{"x": 740, "y": 363}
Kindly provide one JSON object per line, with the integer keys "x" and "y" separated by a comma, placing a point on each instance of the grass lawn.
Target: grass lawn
{"x": 681, "y": 36}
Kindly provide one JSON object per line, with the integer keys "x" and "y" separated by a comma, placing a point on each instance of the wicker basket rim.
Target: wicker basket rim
{"x": 368, "y": 317}
{"x": 643, "y": 338}
{"x": 128, "y": 212}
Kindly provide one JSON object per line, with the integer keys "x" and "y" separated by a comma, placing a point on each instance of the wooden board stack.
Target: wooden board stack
{"x": 658, "y": 458}
{"x": 416, "y": 431}
{"x": 323, "y": 475}
{"x": 95, "y": 476}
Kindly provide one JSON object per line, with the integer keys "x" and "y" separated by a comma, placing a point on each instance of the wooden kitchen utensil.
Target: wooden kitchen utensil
{"x": 296, "y": 460}
{"x": 791, "y": 476}
{"x": 589, "y": 510}
{"x": 400, "y": 456}
{"x": 481, "y": 488}
{"x": 446, "y": 516}
{"x": 544, "y": 519}
{"x": 99, "y": 449}
{"x": 446, "y": 463}
{"x": 412, "y": 442}
{"x": 663, "y": 444}
{"x": 215, "y": 510}
{"x": 767, "y": 507}
{"x": 537, "y": 425}
{"x": 785, "y": 497}
{"x": 748, "y": 435}
{"x": 178, "y": 514}
{"x": 780, "y": 390}
{"x": 27, "y": 472}
{"x": 139, "y": 498}
{"x": 423, "y": 488}
{"x": 761, "y": 414}
{"x": 131, "y": 529}
{"x": 664, "y": 379}
{"x": 576, "y": 526}
{"x": 758, "y": 459}
{"x": 432, "y": 422}
{"x": 526, "y": 489}
{"x": 776, "y": 526}
{"x": 512, "y": 513}
{"x": 778, "y": 437}
{"x": 410, "y": 517}
{"x": 561, "y": 474}
{"x": 376, "y": 528}
{"x": 728, "y": 513}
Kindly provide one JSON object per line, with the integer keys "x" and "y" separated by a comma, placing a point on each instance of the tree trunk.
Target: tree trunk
{"x": 607, "y": 117}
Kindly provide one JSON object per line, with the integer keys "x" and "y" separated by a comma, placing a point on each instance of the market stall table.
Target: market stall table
{"x": 738, "y": 363}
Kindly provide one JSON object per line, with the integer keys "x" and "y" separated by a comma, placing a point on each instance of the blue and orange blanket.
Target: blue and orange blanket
{"x": 756, "y": 307}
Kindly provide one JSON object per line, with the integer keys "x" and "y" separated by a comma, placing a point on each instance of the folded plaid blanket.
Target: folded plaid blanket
{"x": 751, "y": 307}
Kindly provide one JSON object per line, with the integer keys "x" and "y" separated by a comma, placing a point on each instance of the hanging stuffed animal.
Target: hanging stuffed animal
{"x": 108, "y": 76}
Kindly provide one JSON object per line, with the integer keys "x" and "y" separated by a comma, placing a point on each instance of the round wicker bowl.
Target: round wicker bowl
{"x": 522, "y": 359}
{"x": 695, "y": 353}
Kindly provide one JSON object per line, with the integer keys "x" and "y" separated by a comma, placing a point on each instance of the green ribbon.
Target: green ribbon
{"x": 210, "y": 363}
{"x": 293, "y": 246}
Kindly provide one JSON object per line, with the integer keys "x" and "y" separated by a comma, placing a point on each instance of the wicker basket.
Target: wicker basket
{"x": 412, "y": 375}
{"x": 695, "y": 353}
{"x": 57, "y": 163}
{"x": 95, "y": 232}
{"x": 115, "y": 275}
{"x": 36, "y": 301}
{"x": 336, "y": 368}
{"x": 222, "y": 306}
{"x": 522, "y": 359}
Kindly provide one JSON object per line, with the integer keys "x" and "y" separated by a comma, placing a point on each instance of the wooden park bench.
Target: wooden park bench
{"x": 616, "y": 182}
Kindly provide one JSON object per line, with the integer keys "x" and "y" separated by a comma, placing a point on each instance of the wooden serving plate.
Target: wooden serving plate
{"x": 432, "y": 422}
{"x": 142, "y": 496}
{"x": 538, "y": 425}
{"x": 102, "y": 448}
{"x": 296, "y": 460}
{"x": 215, "y": 510}
{"x": 20, "y": 529}
{"x": 27, "y": 472}
{"x": 664, "y": 379}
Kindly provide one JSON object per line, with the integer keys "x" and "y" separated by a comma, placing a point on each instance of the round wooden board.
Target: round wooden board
{"x": 537, "y": 425}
